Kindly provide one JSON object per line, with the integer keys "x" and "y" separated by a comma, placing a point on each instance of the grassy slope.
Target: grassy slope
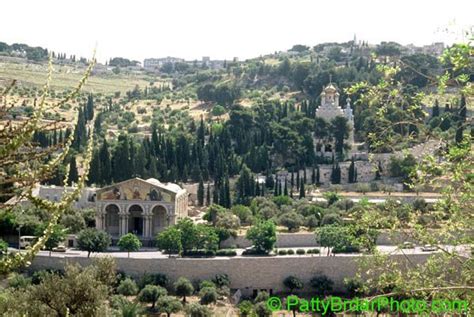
{"x": 67, "y": 77}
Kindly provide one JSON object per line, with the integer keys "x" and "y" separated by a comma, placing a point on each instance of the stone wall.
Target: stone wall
{"x": 296, "y": 240}
{"x": 245, "y": 273}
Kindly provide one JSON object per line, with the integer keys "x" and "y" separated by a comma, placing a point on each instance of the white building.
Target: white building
{"x": 328, "y": 110}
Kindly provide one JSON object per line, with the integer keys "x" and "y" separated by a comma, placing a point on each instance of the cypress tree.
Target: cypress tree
{"x": 208, "y": 195}
{"x": 298, "y": 180}
{"x": 351, "y": 172}
{"x": 80, "y": 133}
{"x": 121, "y": 160}
{"x": 215, "y": 194}
{"x": 200, "y": 192}
{"x": 89, "y": 109}
{"x": 313, "y": 176}
{"x": 318, "y": 176}
{"x": 94, "y": 170}
{"x": 275, "y": 188}
{"x": 153, "y": 169}
{"x": 302, "y": 190}
{"x": 73, "y": 175}
{"x": 257, "y": 189}
{"x": 105, "y": 164}
{"x": 336, "y": 174}
{"x": 222, "y": 196}
{"x": 286, "y": 188}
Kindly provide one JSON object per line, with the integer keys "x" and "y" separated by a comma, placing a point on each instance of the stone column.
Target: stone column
{"x": 123, "y": 224}
{"x": 147, "y": 226}
{"x": 147, "y": 222}
{"x": 99, "y": 218}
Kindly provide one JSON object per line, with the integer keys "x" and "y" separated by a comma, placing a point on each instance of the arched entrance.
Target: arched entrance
{"x": 135, "y": 220}
{"x": 112, "y": 220}
{"x": 159, "y": 219}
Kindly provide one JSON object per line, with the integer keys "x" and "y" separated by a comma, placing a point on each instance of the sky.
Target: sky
{"x": 223, "y": 29}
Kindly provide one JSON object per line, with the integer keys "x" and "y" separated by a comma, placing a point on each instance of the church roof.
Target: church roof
{"x": 171, "y": 187}
{"x": 330, "y": 88}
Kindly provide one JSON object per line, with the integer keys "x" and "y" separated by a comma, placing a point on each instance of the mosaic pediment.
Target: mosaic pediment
{"x": 135, "y": 189}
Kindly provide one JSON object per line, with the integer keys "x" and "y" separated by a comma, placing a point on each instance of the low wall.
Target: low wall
{"x": 245, "y": 273}
{"x": 295, "y": 240}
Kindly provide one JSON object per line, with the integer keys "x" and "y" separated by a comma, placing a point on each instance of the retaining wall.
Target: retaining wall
{"x": 246, "y": 273}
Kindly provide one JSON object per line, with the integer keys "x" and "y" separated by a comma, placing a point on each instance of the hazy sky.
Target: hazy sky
{"x": 222, "y": 29}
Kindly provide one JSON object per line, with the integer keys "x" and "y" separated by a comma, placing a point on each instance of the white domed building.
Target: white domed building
{"x": 328, "y": 110}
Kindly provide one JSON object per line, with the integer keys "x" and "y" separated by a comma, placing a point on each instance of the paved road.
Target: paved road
{"x": 153, "y": 254}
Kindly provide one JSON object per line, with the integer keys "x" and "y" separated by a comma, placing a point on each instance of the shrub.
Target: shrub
{"x": 183, "y": 288}
{"x": 200, "y": 253}
{"x": 291, "y": 251}
{"x": 168, "y": 305}
{"x": 19, "y": 281}
{"x": 245, "y": 308}
{"x": 262, "y": 296}
{"x": 313, "y": 251}
{"x": 330, "y": 219}
{"x": 154, "y": 279}
{"x": 420, "y": 204}
{"x": 292, "y": 283}
{"x": 263, "y": 236}
{"x": 345, "y": 249}
{"x": 129, "y": 243}
{"x": 206, "y": 283}
{"x": 221, "y": 280}
{"x": 254, "y": 252}
{"x": 300, "y": 251}
{"x": 151, "y": 293}
{"x": 262, "y": 310}
{"x": 282, "y": 252}
{"x": 321, "y": 284}
{"x": 93, "y": 240}
{"x": 127, "y": 287}
{"x": 354, "y": 286}
{"x": 208, "y": 295}
{"x": 198, "y": 310}
{"x": 218, "y": 110}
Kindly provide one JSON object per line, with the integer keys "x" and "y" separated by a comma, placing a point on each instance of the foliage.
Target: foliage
{"x": 127, "y": 287}
{"x": 18, "y": 281}
{"x": 154, "y": 279}
{"x": 151, "y": 293}
{"x": 93, "y": 240}
{"x": 322, "y": 285}
{"x": 170, "y": 241}
{"x": 292, "y": 283}
{"x": 21, "y": 161}
{"x": 198, "y": 310}
{"x": 291, "y": 220}
{"x": 245, "y": 308}
{"x": 183, "y": 287}
{"x": 208, "y": 295}
{"x": 263, "y": 236}
{"x": 129, "y": 243}
{"x": 168, "y": 305}
{"x": 77, "y": 292}
{"x": 126, "y": 308}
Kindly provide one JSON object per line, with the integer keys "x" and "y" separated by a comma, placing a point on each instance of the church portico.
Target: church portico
{"x": 152, "y": 208}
